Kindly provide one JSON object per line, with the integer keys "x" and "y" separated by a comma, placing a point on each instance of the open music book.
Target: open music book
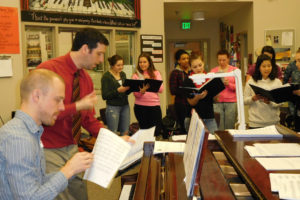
{"x": 193, "y": 156}
{"x": 135, "y": 85}
{"x": 277, "y": 95}
{"x": 213, "y": 87}
{"x": 111, "y": 151}
{"x": 136, "y": 152}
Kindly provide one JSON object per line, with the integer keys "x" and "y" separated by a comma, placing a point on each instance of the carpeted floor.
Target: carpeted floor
{"x": 96, "y": 192}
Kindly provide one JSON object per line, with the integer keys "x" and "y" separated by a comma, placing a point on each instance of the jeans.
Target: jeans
{"x": 118, "y": 118}
{"x": 210, "y": 124}
{"x": 228, "y": 114}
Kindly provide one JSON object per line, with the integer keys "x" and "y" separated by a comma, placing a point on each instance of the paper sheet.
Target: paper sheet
{"x": 6, "y": 67}
{"x": 109, "y": 152}
{"x": 268, "y": 131}
{"x": 290, "y": 163}
{"x": 287, "y": 38}
{"x": 286, "y": 184}
{"x": 192, "y": 151}
{"x": 164, "y": 147}
{"x": 274, "y": 150}
{"x": 136, "y": 151}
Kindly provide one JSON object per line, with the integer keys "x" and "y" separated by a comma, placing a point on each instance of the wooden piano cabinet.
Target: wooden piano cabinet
{"x": 212, "y": 182}
{"x": 255, "y": 176}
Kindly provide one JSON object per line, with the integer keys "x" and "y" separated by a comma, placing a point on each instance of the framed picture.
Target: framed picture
{"x": 121, "y": 13}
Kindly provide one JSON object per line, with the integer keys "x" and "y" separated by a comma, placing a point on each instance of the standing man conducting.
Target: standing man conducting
{"x": 60, "y": 141}
{"x": 22, "y": 162}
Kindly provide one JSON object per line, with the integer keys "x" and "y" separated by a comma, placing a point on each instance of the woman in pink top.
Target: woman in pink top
{"x": 226, "y": 100}
{"x": 147, "y": 104}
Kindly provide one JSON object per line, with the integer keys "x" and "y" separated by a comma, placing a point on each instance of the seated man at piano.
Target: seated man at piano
{"x": 22, "y": 161}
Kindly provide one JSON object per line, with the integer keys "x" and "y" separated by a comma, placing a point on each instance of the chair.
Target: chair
{"x": 102, "y": 115}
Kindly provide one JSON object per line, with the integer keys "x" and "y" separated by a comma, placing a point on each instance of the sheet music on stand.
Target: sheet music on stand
{"x": 192, "y": 152}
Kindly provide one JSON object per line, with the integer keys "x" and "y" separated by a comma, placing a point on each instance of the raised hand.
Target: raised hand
{"x": 87, "y": 103}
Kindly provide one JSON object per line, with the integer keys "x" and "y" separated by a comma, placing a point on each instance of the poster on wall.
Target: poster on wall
{"x": 153, "y": 44}
{"x": 121, "y": 13}
{"x": 283, "y": 42}
{"x": 9, "y": 31}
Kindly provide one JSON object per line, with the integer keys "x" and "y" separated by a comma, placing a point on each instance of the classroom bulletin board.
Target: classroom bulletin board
{"x": 283, "y": 42}
{"x": 153, "y": 44}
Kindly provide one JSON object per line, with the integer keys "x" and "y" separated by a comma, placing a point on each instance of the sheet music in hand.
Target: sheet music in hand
{"x": 109, "y": 152}
{"x": 277, "y": 95}
{"x": 112, "y": 153}
{"x": 213, "y": 87}
{"x": 135, "y": 85}
{"x": 136, "y": 152}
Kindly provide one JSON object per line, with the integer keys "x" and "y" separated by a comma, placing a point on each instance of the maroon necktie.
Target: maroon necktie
{"x": 76, "y": 120}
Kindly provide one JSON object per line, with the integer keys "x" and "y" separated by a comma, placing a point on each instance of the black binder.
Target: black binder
{"x": 213, "y": 86}
{"x": 277, "y": 95}
{"x": 135, "y": 85}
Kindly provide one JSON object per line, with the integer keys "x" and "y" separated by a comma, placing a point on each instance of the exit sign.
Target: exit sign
{"x": 185, "y": 25}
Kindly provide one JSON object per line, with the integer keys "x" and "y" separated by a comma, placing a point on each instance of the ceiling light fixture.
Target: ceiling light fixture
{"x": 198, "y": 15}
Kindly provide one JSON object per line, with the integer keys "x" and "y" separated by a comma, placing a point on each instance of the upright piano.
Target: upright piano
{"x": 228, "y": 172}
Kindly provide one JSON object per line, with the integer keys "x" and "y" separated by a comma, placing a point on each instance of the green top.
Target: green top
{"x": 110, "y": 92}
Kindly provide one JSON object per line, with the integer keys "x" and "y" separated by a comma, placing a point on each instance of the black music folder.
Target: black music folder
{"x": 213, "y": 86}
{"x": 135, "y": 85}
{"x": 277, "y": 95}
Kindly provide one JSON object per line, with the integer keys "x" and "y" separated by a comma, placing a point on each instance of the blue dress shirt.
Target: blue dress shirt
{"x": 22, "y": 162}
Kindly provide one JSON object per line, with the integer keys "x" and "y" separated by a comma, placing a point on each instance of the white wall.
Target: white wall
{"x": 267, "y": 14}
{"x": 207, "y": 29}
{"x": 275, "y": 14}
{"x": 10, "y": 99}
{"x": 152, "y": 18}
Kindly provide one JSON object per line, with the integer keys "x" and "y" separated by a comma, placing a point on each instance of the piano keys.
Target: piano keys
{"x": 98, "y": 7}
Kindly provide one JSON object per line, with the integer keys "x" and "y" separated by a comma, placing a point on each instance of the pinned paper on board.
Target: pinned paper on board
{"x": 5, "y": 66}
{"x": 287, "y": 38}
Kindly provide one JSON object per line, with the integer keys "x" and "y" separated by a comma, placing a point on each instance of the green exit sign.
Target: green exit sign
{"x": 185, "y": 25}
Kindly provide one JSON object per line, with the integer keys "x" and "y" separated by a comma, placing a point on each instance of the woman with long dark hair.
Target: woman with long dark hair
{"x": 262, "y": 112}
{"x": 147, "y": 104}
